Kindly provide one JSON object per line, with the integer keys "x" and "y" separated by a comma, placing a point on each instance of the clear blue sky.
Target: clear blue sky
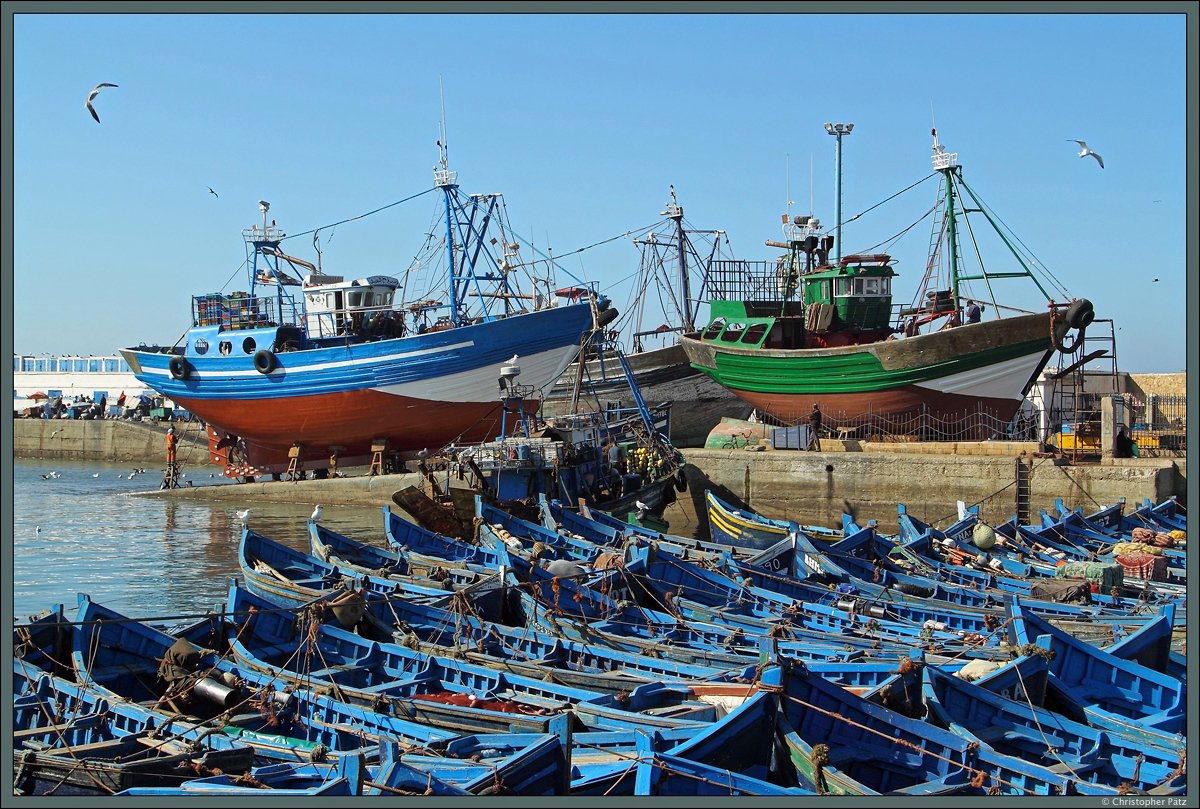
{"x": 582, "y": 122}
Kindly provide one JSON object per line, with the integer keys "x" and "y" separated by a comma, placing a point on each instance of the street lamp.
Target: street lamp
{"x": 837, "y": 130}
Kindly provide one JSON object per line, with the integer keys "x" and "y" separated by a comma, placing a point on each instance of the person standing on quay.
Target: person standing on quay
{"x": 814, "y": 428}
{"x": 172, "y": 441}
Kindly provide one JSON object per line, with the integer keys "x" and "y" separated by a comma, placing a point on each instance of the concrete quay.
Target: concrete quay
{"x": 860, "y": 478}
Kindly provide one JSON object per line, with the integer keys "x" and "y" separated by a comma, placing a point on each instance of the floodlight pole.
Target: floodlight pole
{"x": 837, "y": 130}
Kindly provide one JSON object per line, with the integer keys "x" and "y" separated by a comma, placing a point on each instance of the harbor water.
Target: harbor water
{"x": 78, "y": 527}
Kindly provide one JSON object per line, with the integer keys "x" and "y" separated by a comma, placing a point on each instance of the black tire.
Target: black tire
{"x": 680, "y": 481}
{"x": 1080, "y": 314}
{"x": 264, "y": 361}
{"x": 179, "y": 368}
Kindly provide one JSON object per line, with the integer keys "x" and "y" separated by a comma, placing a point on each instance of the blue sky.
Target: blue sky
{"x": 583, "y": 122}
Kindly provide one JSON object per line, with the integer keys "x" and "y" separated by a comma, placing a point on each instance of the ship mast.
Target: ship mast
{"x": 675, "y": 213}
{"x": 947, "y": 164}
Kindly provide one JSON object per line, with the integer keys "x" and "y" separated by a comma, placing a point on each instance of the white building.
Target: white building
{"x": 73, "y": 376}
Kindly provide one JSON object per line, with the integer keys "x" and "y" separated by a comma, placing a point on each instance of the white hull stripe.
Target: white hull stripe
{"x": 1002, "y": 380}
{"x": 482, "y": 384}
{"x": 386, "y": 359}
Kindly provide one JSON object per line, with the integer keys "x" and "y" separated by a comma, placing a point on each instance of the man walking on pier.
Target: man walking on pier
{"x": 814, "y": 428}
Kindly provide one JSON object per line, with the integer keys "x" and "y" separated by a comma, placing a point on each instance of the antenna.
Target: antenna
{"x": 443, "y": 157}
{"x": 787, "y": 188}
{"x": 810, "y": 185}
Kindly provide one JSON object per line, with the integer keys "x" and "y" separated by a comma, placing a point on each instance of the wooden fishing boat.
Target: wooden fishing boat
{"x": 66, "y": 746}
{"x": 1094, "y": 686}
{"x": 675, "y": 257}
{"x": 808, "y": 329}
{"x": 324, "y": 369}
{"x": 843, "y": 744}
{"x": 290, "y": 578}
{"x": 1034, "y": 734}
{"x": 734, "y": 526}
{"x": 440, "y": 691}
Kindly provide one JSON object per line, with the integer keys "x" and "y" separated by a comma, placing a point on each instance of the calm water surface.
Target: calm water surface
{"x": 148, "y": 557}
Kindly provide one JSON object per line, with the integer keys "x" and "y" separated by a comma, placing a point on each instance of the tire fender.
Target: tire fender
{"x": 264, "y": 361}
{"x": 179, "y": 368}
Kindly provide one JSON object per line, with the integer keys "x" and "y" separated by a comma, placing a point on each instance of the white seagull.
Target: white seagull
{"x": 316, "y": 515}
{"x": 95, "y": 91}
{"x": 1084, "y": 151}
{"x": 243, "y": 516}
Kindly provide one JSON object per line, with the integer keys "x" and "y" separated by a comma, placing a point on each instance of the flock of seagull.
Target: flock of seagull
{"x": 244, "y": 515}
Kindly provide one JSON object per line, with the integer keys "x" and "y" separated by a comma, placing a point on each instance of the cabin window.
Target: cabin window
{"x": 225, "y": 347}
{"x": 248, "y": 345}
{"x": 754, "y": 333}
{"x": 201, "y": 346}
{"x": 713, "y": 329}
{"x": 733, "y": 332}
{"x": 354, "y": 299}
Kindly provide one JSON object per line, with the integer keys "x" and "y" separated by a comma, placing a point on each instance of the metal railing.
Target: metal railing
{"x": 978, "y": 425}
{"x": 243, "y": 312}
{"x": 1158, "y": 424}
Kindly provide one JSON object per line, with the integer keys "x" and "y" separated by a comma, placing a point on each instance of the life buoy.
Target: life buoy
{"x": 264, "y": 361}
{"x": 680, "y": 480}
{"x": 179, "y": 367}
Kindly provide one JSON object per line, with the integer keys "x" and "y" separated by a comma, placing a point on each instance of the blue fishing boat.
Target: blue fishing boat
{"x": 591, "y": 666}
{"x": 439, "y": 691}
{"x": 1094, "y": 686}
{"x": 734, "y": 526}
{"x": 290, "y": 578}
{"x": 71, "y": 747}
{"x": 1020, "y": 729}
{"x": 843, "y": 744}
{"x": 326, "y": 368}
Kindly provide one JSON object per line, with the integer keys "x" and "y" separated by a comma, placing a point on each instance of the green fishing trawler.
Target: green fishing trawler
{"x": 801, "y": 330}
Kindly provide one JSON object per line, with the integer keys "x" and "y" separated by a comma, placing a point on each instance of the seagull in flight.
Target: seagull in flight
{"x": 243, "y": 516}
{"x": 1084, "y": 151}
{"x": 95, "y": 91}
{"x": 316, "y": 515}
{"x": 214, "y": 193}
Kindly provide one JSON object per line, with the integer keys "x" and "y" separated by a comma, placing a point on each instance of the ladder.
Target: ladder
{"x": 1021, "y": 477}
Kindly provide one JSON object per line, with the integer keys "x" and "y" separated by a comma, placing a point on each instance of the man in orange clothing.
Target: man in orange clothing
{"x": 172, "y": 440}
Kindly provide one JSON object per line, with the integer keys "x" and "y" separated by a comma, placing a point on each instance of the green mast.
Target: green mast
{"x": 947, "y": 164}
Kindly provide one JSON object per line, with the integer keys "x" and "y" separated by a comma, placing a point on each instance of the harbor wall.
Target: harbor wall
{"x": 107, "y": 440}
{"x": 816, "y": 488}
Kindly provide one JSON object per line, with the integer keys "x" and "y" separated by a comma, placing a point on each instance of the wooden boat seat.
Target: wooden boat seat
{"x": 997, "y": 733}
{"x": 1091, "y": 691}
{"x": 330, "y": 671}
{"x": 106, "y": 674}
{"x": 852, "y": 751}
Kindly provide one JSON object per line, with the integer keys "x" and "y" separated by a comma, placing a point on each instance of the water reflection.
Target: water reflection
{"x": 82, "y": 531}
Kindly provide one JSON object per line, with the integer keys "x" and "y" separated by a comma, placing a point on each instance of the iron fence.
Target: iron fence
{"x": 977, "y": 425}
{"x": 1158, "y": 424}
